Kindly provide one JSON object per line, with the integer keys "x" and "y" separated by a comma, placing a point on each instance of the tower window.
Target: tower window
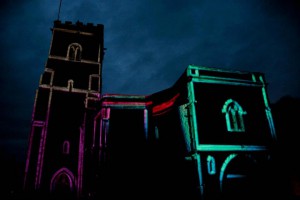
{"x": 74, "y": 52}
{"x": 66, "y": 147}
{"x": 70, "y": 85}
{"x": 234, "y": 116}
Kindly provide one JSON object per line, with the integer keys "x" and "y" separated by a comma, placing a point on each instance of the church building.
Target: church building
{"x": 208, "y": 136}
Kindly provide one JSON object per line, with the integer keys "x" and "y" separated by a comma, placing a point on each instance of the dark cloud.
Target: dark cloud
{"x": 149, "y": 44}
{"x": 232, "y": 34}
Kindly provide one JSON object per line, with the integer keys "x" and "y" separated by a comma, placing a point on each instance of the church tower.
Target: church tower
{"x": 65, "y": 102}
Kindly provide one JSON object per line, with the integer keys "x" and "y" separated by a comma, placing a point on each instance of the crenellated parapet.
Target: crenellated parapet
{"x": 88, "y": 27}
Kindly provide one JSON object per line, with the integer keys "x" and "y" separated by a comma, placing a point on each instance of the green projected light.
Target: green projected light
{"x": 234, "y": 116}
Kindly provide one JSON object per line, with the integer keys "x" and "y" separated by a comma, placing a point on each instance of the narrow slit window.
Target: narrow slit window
{"x": 156, "y": 132}
{"x": 70, "y": 85}
{"x": 66, "y": 147}
{"x": 234, "y": 116}
{"x": 211, "y": 165}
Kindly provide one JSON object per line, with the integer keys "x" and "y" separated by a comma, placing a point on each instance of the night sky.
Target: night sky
{"x": 149, "y": 44}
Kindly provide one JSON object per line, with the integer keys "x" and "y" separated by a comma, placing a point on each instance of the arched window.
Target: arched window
{"x": 234, "y": 116}
{"x": 66, "y": 147}
{"x": 70, "y": 85}
{"x": 211, "y": 165}
{"x": 74, "y": 52}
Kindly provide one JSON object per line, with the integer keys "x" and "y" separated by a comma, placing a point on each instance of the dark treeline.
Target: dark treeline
{"x": 286, "y": 119}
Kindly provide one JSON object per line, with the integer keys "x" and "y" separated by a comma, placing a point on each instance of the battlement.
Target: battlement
{"x": 89, "y": 27}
